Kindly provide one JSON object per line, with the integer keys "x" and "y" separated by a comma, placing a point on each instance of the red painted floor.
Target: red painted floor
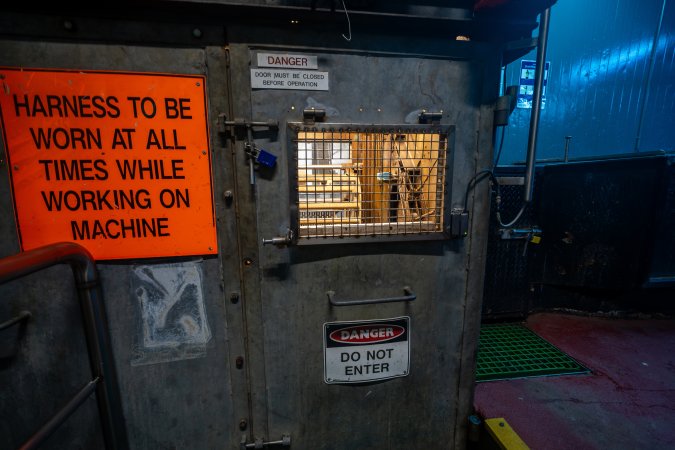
{"x": 628, "y": 402}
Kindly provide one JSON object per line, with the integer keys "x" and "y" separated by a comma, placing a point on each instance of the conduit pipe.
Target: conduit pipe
{"x": 542, "y": 42}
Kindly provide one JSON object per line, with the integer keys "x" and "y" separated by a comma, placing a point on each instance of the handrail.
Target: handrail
{"x": 23, "y": 316}
{"x": 95, "y": 323}
{"x": 55, "y": 422}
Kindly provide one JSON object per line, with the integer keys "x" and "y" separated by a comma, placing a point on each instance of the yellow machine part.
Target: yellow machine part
{"x": 504, "y": 435}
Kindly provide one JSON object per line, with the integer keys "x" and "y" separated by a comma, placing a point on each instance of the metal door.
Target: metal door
{"x": 285, "y": 288}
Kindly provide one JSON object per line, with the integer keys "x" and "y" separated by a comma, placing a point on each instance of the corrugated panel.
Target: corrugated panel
{"x": 599, "y": 53}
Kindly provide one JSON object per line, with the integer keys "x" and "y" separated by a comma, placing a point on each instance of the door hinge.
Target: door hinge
{"x": 285, "y": 441}
{"x": 430, "y": 117}
{"x": 312, "y": 115}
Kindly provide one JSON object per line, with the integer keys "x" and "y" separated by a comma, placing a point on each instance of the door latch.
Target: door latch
{"x": 281, "y": 241}
{"x": 529, "y": 235}
{"x": 255, "y": 154}
{"x": 532, "y": 233}
{"x": 285, "y": 441}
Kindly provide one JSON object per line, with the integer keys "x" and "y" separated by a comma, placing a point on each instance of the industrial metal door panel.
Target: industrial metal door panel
{"x": 178, "y": 399}
{"x": 321, "y": 198}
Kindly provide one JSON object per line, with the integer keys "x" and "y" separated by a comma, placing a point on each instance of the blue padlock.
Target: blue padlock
{"x": 265, "y": 158}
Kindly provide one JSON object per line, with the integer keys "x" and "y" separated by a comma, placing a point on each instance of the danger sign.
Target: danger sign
{"x": 371, "y": 350}
{"x": 117, "y": 162}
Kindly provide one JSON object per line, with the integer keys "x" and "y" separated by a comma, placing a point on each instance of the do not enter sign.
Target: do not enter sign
{"x": 370, "y": 350}
{"x": 117, "y": 162}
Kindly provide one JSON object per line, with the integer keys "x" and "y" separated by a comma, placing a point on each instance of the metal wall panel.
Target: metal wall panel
{"x": 163, "y": 408}
{"x": 599, "y": 53}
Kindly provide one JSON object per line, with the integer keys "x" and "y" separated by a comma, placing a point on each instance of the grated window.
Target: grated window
{"x": 370, "y": 182}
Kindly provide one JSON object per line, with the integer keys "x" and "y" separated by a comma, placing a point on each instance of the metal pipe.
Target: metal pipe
{"x": 26, "y": 263}
{"x": 52, "y": 424}
{"x": 95, "y": 325}
{"x": 542, "y": 42}
{"x": 23, "y": 315}
{"x": 648, "y": 80}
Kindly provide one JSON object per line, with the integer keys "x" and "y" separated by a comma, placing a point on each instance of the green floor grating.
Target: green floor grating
{"x": 513, "y": 351}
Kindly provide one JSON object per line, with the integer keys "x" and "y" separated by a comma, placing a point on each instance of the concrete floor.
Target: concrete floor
{"x": 628, "y": 402}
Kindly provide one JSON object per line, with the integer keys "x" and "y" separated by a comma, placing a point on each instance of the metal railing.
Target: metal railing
{"x": 99, "y": 347}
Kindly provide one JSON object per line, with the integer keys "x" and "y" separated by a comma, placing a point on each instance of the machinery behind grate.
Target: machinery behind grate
{"x": 370, "y": 182}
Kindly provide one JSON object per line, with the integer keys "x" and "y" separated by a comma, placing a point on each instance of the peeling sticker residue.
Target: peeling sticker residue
{"x": 173, "y": 323}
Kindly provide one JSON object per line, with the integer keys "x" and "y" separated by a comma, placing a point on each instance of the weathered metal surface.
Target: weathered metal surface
{"x": 261, "y": 375}
{"x": 287, "y": 297}
{"x": 95, "y": 325}
{"x": 180, "y": 404}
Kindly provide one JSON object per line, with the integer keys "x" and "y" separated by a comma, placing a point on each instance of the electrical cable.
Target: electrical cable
{"x": 501, "y": 146}
{"x": 349, "y": 24}
{"x": 515, "y": 219}
{"x": 475, "y": 180}
{"x": 496, "y": 163}
{"x": 489, "y": 173}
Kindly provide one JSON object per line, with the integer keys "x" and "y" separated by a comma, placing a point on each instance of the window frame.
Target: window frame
{"x": 445, "y": 131}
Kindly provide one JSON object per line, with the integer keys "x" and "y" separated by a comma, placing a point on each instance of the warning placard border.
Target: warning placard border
{"x": 6, "y": 146}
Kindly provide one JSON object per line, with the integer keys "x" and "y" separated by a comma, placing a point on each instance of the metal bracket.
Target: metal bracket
{"x": 430, "y": 117}
{"x": 459, "y": 224}
{"x": 505, "y": 106}
{"x": 532, "y": 235}
{"x": 255, "y": 155}
{"x": 285, "y": 441}
{"x": 312, "y": 115}
{"x": 519, "y": 233}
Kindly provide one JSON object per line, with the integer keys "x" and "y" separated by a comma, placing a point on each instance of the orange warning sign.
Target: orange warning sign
{"x": 117, "y": 162}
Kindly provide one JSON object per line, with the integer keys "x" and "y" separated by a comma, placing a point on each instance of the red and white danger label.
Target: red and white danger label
{"x": 371, "y": 350}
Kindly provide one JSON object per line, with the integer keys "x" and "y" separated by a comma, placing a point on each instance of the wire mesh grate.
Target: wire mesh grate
{"x": 513, "y": 351}
{"x": 369, "y": 182}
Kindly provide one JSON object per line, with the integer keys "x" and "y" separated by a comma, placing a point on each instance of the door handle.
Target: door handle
{"x": 408, "y": 296}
